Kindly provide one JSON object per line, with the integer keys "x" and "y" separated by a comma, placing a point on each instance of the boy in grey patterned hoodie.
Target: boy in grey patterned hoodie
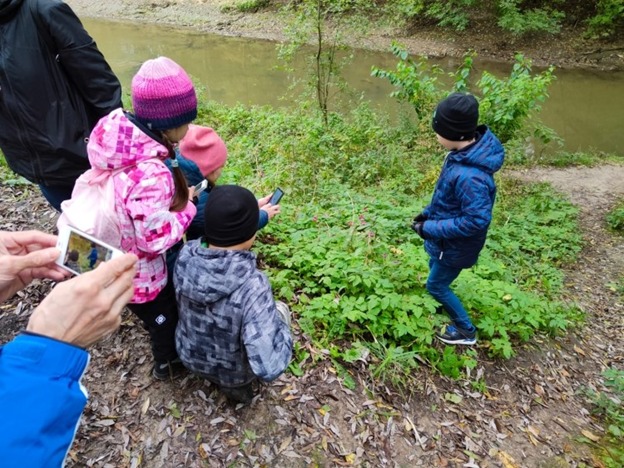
{"x": 230, "y": 330}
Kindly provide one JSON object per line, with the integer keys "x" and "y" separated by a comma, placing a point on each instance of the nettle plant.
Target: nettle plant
{"x": 355, "y": 274}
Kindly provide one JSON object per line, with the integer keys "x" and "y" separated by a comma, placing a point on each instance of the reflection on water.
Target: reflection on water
{"x": 586, "y": 108}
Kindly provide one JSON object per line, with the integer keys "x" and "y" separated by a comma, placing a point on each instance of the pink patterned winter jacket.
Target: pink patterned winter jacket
{"x": 144, "y": 189}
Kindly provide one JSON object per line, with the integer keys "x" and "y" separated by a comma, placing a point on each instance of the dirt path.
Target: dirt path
{"x": 528, "y": 415}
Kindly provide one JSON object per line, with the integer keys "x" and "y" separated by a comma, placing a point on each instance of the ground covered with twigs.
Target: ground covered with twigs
{"x": 528, "y": 411}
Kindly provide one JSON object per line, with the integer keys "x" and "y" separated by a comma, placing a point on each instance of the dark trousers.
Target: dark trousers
{"x": 160, "y": 317}
{"x": 56, "y": 195}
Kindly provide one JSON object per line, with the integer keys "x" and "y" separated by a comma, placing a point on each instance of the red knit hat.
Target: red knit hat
{"x": 205, "y": 148}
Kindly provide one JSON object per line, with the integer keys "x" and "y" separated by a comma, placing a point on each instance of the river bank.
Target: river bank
{"x": 567, "y": 50}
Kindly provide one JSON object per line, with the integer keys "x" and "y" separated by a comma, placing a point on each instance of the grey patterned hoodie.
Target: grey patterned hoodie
{"x": 229, "y": 330}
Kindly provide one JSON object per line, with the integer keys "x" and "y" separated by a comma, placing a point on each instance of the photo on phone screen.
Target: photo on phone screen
{"x": 81, "y": 252}
{"x": 199, "y": 188}
{"x": 277, "y": 196}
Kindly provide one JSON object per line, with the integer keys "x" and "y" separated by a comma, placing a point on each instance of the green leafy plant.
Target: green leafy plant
{"x": 608, "y": 406}
{"x": 609, "y": 16}
{"x": 509, "y": 106}
{"x": 520, "y": 22}
{"x": 347, "y": 263}
{"x": 615, "y": 218}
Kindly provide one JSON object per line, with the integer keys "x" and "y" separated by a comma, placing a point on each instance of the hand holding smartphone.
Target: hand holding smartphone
{"x": 277, "y": 196}
{"x": 199, "y": 188}
{"x": 81, "y": 252}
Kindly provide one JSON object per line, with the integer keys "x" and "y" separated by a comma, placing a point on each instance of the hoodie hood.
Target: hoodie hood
{"x": 116, "y": 142}
{"x": 212, "y": 274}
{"x": 487, "y": 153}
{"x": 8, "y": 8}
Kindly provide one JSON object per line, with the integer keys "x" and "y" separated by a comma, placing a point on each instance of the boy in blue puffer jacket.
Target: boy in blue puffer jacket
{"x": 455, "y": 224}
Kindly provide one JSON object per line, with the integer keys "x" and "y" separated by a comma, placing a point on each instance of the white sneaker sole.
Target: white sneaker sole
{"x": 465, "y": 341}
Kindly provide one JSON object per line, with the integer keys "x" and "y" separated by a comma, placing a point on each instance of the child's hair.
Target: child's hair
{"x": 73, "y": 256}
{"x": 163, "y": 98}
{"x": 231, "y": 216}
{"x": 181, "y": 195}
{"x": 456, "y": 117}
{"x": 205, "y": 148}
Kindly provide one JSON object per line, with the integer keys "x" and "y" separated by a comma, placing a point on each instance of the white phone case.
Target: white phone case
{"x": 81, "y": 252}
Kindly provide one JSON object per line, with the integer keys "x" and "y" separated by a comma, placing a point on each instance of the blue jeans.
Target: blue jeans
{"x": 56, "y": 195}
{"x": 438, "y": 285}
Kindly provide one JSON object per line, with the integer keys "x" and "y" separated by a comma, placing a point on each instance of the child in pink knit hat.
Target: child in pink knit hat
{"x": 152, "y": 205}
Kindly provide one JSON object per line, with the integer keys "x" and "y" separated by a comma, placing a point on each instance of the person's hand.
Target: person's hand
{"x": 24, "y": 256}
{"x": 263, "y": 201}
{"x": 420, "y": 218}
{"x": 418, "y": 227}
{"x": 271, "y": 210}
{"x": 88, "y": 307}
{"x": 191, "y": 193}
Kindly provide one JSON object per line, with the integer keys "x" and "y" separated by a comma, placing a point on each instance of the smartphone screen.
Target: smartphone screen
{"x": 81, "y": 253}
{"x": 199, "y": 188}
{"x": 277, "y": 196}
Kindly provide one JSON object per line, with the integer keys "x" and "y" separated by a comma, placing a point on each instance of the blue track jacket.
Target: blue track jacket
{"x": 460, "y": 211}
{"x": 41, "y": 400}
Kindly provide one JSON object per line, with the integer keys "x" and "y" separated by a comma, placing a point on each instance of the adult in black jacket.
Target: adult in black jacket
{"x": 54, "y": 86}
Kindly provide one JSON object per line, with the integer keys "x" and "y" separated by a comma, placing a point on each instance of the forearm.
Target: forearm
{"x": 41, "y": 400}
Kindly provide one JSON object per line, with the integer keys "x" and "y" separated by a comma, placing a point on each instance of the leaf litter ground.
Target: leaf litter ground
{"x": 530, "y": 413}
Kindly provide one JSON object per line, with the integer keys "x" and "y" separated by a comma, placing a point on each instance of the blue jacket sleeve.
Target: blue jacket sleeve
{"x": 474, "y": 194}
{"x": 263, "y": 220}
{"x": 41, "y": 400}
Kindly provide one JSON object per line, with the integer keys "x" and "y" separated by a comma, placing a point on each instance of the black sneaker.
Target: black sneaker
{"x": 168, "y": 369}
{"x": 242, "y": 394}
{"x": 455, "y": 336}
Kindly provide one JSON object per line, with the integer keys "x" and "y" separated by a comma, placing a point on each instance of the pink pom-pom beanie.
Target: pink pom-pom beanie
{"x": 205, "y": 148}
{"x": 163, "y": 96}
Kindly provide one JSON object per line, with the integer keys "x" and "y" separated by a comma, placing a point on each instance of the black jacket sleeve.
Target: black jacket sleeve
{"x": 81, "y": 60}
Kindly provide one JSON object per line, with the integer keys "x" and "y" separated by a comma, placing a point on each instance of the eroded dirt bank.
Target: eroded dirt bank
{"x": 565, "y": 50}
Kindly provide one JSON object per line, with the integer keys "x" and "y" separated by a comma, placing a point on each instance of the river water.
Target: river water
{"x": 585, "y": 107}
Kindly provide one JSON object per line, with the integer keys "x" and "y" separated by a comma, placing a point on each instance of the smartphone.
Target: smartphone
{"x": 199, "y": 188}
{"x": 81, "y": 252}
{"x": 277, "y": 196}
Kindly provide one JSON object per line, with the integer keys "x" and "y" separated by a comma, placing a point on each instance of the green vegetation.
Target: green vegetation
{"x": 615, "y": 218}
{"x": 342, "y": 253}
{"x": 343, "y": 256}
{"x": 608, "y": 406}
{"x": 508, "y": 106}
{"x": 596, "y": 19}
{"x": 608, "y": 17}
{"x": 247, "y": 6}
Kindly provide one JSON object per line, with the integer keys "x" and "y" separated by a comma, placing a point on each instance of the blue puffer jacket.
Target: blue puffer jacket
{"x": 460, "y": 211}
{"x": 41, "y": 400}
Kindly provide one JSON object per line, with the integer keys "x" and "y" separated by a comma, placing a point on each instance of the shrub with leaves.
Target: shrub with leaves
{"x": 509, "y": 106}
{"x": 615, "y": 218}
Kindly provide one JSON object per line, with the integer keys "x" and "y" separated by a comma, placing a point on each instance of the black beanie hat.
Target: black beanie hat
{"x": 231, "y": 216}
{"x": 456, "y": 117}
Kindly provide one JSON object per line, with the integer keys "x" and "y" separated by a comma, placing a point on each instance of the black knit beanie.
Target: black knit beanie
{"x": 456, "y": 117}
{"x": 231, "y": 216}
